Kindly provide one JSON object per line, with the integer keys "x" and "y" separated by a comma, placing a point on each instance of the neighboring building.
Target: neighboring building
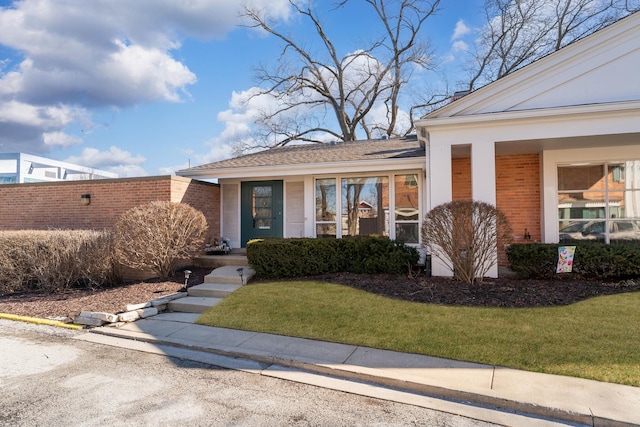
{"x": 555, "y": 145}
{"x": 20, "y": 168}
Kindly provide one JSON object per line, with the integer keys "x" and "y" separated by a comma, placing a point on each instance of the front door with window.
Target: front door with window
{"x": 261, "y": 210}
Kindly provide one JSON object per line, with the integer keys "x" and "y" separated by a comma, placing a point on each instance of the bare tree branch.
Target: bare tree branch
{"x": 332, "y": 96}
{"x": 520, "y": 31}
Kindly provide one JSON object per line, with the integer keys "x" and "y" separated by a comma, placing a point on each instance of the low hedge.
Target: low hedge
{"x": 279, "y": 258}
{"x": 591, "y": 261}
{"x": 54, "y": 260}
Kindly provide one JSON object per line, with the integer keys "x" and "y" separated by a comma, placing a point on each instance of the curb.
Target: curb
{"x": 447, "y": 394}
{"x": 38, "y": 321}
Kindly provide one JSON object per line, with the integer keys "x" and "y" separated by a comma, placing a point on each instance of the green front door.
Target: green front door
{"x": 261, "y": 211}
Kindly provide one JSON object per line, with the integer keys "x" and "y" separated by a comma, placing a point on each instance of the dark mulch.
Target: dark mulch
{"x": 68, "y": 303}
{"x": 502, "y": 292}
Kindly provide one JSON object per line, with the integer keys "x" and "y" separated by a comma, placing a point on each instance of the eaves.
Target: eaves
{"x": 309, "y": 168}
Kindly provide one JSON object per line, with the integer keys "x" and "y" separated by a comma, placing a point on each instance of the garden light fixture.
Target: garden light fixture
{"x": 187, "y": 273}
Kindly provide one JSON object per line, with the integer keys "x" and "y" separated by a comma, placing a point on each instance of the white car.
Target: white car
{"x": 620, "y": 230}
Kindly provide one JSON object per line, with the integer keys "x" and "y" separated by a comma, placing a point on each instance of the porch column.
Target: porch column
{"x": 309, "y": 206}
{"x": 439, "y": 183}
{"x": 483, "y": 180}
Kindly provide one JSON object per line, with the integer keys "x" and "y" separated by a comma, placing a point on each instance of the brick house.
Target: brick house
{"x": 555, "y": 145}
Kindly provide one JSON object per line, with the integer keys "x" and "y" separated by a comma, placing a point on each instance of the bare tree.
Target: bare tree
{"x": 518, "y": 32}
{"x": 328, "y": 96}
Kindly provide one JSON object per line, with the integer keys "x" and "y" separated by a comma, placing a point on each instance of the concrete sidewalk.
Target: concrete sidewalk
{"x": 489, "y": 393}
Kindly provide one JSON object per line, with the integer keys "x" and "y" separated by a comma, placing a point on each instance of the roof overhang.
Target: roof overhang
{"x": 627, "y": 108}
{"x": 528, "y": 131}
{"x": 307, "y": 169}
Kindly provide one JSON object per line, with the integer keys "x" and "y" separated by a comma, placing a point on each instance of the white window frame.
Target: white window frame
{"x": 391, "y": 211}
{"x": 551, "y": 159}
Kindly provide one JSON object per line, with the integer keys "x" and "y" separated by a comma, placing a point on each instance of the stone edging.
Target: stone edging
{"x": 131, "y": 313}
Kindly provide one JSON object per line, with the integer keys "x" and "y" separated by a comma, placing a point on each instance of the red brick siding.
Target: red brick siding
{"x": 41, "y": 206}
{"x": 202, "y": 196}
{"x": 517, "y": 193}
{"x": 461, "y": 179}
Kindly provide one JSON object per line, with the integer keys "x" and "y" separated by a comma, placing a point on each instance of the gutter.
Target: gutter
{"x": 306, "y": 168}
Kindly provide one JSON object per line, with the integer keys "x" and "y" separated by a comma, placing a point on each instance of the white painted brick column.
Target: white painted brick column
{"x": 439, "y": 190}
{"x": 483, "y": 181}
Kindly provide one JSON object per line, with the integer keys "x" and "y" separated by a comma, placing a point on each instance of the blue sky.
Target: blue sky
{"x": 145, "y": 87}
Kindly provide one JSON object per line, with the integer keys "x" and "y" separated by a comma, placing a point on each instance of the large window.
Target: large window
{"x": 368, "y": 205}
{"x": 599, "y": 202}
{"x": 326, "y": 208}
{"x": 365, "y": 206}
{"x": 407, "y": 211}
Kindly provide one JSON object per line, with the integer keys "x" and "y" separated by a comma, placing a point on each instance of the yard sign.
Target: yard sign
{"x": 565, "y": 259}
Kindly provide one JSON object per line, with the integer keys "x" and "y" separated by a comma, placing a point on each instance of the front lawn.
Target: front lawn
{"x": 598, "y": 338}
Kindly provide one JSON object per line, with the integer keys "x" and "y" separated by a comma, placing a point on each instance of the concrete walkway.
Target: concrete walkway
{"x": 498, "y": 395}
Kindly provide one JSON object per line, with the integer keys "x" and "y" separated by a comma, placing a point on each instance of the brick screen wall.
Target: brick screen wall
{"x": 517, "y": 193}
{"x": 461, "y": 179}
{"x": 41, "y": 206}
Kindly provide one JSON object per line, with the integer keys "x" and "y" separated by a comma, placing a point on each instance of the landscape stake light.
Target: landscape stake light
{"x": 187, "y": 273}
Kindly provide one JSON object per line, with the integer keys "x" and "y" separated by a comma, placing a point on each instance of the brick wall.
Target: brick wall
{"x": 202, "y": 196}
{"x": 461, "y": 179}
{"x": 41, "y": 206}
{"x": 517, "y": 193}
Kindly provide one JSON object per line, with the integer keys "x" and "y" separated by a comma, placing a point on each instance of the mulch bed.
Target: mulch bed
{"x": 501, "y": 292}
{"x": 68, "y": 303}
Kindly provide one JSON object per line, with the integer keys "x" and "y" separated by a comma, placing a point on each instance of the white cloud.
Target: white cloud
{"x": 26, "y": 127}
{"x": 75, "y": 55}
{"x": 125, "y": 171}
{"x": 447, "y": 58}
{"x": 113, "y": 160}
{"x": 219, "y": 151}
{"x": 60, "y": 139}
{"x": 460, "y": 31}
{"x": 460, "y": 46}
{"x": 49, "y": 117}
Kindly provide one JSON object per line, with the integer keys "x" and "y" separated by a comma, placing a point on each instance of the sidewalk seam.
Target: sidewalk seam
{"x": 351, "y": 354}
{"x": 493, "y": 376}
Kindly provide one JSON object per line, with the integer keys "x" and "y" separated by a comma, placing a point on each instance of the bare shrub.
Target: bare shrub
{"x": 158, "y": 235}
{"x": 55, "y": 260}
{"x": 466, "y": 235}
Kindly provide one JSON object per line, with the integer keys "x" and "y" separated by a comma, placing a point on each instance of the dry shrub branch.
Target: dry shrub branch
{"x": 466, "y": 235}
{"x": 55, "y": 260}
{"x": 158, "y": 235}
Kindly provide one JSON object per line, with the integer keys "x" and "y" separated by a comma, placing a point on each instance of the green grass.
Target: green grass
{"x": 597, "y": 339}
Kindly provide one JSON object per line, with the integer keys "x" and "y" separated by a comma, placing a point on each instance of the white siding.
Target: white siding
{"x": 294, "y": 209}
{"x": 231, "y": 213}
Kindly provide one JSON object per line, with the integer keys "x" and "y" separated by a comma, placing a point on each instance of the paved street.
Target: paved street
{"x": 47, "y": 378}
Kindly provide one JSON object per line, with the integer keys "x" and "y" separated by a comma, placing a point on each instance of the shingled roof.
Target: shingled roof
{"x": 320, "y": 153}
